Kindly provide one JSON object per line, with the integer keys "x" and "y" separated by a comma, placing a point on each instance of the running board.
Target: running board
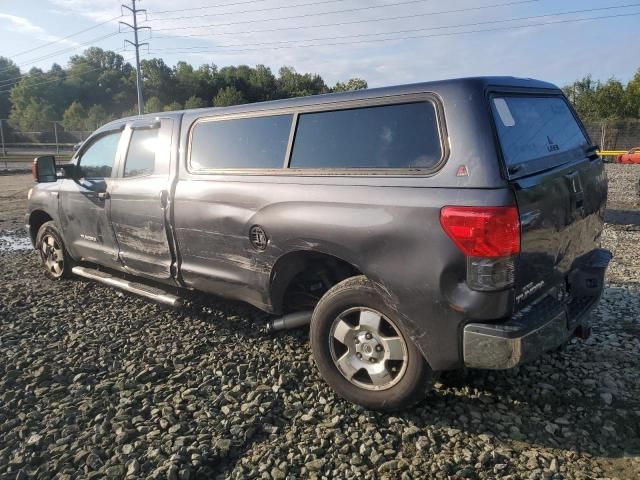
{"x": 153, "y": 293}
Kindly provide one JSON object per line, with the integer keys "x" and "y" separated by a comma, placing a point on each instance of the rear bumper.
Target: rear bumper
{"x": 507, "y": 345}
{"x": 541, "y": 327}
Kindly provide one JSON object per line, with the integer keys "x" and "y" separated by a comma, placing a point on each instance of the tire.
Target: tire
{"x": 362, "y": 351}
{"x": 54, "y": 256}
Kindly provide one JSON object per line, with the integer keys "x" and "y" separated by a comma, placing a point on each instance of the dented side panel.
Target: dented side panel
{"x": 138, "y": 221}
{"x": 389, "y": 234}
{"x": 140, "y": 211}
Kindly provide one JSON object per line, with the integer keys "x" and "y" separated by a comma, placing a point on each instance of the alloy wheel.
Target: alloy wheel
{"x": 368, "y": 349}
{"x": 52, "y": 255}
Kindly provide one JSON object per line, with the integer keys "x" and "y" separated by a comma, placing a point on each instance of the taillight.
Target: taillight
{"x": 486, "y": 232}
{"x": 490, "y": 239}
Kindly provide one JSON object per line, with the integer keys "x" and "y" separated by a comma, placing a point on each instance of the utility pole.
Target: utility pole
{"x": 55, "y": 133}
{"x": 4, "y": 151}
{"x": 137, "y": 46}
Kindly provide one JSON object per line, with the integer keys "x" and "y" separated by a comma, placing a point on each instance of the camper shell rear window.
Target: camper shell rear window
{"x": 537, "y": 132}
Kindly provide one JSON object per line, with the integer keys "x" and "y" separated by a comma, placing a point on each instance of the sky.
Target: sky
{"x": 386, "y": 42}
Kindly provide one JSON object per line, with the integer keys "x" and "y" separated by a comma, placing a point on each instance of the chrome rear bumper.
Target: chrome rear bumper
{"x": 497, "y": 346}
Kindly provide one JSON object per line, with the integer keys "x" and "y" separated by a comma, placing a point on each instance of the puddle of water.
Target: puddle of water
{"x": 14, "y": 242}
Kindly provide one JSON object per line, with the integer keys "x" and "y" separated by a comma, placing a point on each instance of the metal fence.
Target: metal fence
{"x": 615, "y": 134}
{"x": 15, "y": 144}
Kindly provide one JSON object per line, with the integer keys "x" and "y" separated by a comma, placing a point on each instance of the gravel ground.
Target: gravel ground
{"x": 97, "y": 384}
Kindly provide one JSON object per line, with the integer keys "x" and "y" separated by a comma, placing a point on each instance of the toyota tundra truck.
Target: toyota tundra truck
{"x": 413, "y": 229}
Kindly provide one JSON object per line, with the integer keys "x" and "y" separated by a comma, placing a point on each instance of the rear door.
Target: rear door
{"x": 139, "y": 199}
{"x": 560, "y": 188}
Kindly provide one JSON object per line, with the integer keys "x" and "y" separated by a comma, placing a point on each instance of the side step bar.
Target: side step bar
{"x": 153, "y": 293}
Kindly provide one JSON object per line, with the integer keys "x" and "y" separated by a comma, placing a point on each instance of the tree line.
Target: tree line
{"x": 99, "y": 85}
{"x": 610, "y": 100}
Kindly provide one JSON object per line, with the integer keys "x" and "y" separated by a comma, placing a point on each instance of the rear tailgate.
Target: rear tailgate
{"x": 560, "y": 188}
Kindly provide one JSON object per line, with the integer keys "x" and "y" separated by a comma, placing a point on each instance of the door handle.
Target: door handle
{"x": 103, "y": 195}
{"x": 164, "y": 198}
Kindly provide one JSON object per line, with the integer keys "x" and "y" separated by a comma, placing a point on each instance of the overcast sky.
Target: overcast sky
{"x": 397, "y": 41}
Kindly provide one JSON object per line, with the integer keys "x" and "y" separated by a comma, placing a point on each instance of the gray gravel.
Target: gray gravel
{"x": 98, "y": 384}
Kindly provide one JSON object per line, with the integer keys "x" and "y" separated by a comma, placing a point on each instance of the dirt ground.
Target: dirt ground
{"x": 13, "y": 200}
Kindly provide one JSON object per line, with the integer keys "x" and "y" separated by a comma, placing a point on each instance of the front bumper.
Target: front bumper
{"x": 540, "y": 327}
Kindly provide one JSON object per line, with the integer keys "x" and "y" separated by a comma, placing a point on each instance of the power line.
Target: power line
{"x": 210, "y": 6}
{"x": 64, "y": 38}
{"x": 446, "y": 34}
{"x": 354, "y": 22}
{"x": 413, "y": 30}
{"x": 292, "y": 17}
{"x": 267, "y": 9}
{"x": 73, "y": 75}
{"x": 12, "y": 81}
{"x": 68, "y": 49}
{"x": 59, "y": 52}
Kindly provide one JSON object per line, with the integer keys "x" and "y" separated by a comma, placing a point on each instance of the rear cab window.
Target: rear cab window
{"x": 536, "y": 132}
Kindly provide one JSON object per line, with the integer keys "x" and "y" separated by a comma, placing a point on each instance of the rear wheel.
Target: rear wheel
{"x": 53, "y": 254}
{"x": 362, "y": 351}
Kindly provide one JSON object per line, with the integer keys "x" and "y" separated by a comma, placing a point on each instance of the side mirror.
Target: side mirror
{"x": 44, "y": 169}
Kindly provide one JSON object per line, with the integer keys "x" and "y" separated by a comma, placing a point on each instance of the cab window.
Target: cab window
{"x": 97, "y": 161}
{"x": 141, "y": 155}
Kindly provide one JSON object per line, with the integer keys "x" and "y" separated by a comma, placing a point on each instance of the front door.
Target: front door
{"x": 140, "y": 197}
{"x": 84, "y": 202}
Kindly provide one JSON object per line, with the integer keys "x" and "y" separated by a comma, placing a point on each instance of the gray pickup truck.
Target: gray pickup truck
{"x": 416, "y": 229}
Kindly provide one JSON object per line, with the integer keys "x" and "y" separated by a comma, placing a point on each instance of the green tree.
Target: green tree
{"x": 103, "y": 80}
{"x": 172, "y": 107}
{"x": 632, "y": 95}
{"x": 47, "y": 87}
{"x": 292, "y": 84}
{"x": 188, "y": 82}
{"x": 351, "y": 84}
{"x": 100, "y": 77}
{"x": 152, "y": 105}
{"x": 37, "y": 115}
{"x": 159, "y": 80}
{"x": 261, "y": 84}
{"x": 9, "y": 76}
{"x": 610, "y": 101}
{"x": 194, "y": 102}
{"x": 228, "y": 96}
{"x": 595, "y": 100}
{"x": 96, "y": 117}
{"x": 74, "y": 117}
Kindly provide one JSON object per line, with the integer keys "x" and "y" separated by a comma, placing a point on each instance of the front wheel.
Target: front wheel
{"x": 362, "y": 351}
{"x": 53, "y": 255}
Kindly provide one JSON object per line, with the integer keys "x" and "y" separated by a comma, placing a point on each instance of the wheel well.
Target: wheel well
{"x": 299, "y": 279}
{"x": 36, "y": 220}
